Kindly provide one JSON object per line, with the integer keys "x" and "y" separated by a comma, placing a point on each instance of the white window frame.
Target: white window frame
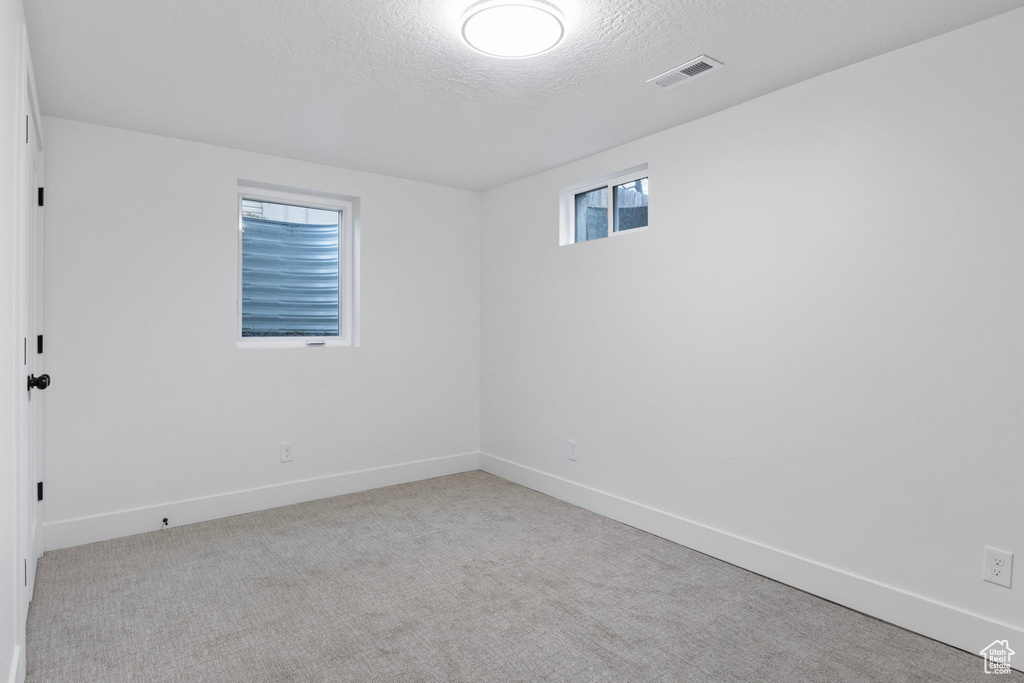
{"x": 567, "y": 202}
{"x": 348, "y": 263}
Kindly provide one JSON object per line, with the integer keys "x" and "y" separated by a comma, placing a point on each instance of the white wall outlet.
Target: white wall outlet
{"x": 998, "y": 567}
{"x": 287, "y": 452}
{"x": 572, "y": 450}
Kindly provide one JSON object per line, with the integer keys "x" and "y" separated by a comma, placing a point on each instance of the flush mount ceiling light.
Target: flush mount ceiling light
{"x": 512, "y": 28}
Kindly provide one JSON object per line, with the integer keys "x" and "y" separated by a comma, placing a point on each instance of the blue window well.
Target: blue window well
{"x": 592, "y": 214}
{"x": 292, "y": 282}
{"x": 631, "y": 205}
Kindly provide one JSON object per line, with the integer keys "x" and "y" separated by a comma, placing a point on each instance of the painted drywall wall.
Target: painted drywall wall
{"x": 152, "y": 404}
{"x": 11, "y": 632}
{"x": 815, "y": 347}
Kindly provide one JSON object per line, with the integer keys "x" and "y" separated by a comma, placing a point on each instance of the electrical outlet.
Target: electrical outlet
{"x": 572, "y": 450}
{"x": 287, "y": 454}
{"x": 998, "y": 567}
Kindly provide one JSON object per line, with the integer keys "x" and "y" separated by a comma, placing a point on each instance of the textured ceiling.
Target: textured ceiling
{"x": 388, "y": 86}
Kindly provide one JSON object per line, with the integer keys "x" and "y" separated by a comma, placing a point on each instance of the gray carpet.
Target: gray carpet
{"x": 461, "y": 578}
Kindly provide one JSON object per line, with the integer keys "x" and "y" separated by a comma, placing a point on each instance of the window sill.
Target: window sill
{"x": 612, "y": 235}
{"x": 291, "y": 343}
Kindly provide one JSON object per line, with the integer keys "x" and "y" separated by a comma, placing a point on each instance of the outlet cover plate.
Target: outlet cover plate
{"x": 998, "y": 567}
{"x": 287, "y": 454}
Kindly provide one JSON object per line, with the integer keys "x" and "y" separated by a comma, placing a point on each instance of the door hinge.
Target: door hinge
{"x": 39, "y": 343}
{"x": 26, "y": 129}
{"x": 39, "y": 491}
{"x": 40, "y": 196}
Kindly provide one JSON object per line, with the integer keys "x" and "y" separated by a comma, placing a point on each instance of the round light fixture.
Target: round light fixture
{"x": 512, "y": 28}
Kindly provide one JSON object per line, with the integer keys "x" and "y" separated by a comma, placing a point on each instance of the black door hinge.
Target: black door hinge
{"x": 39, "y": 491}
{"x": 39, "y": 343}
{"x": 40, "y": 196}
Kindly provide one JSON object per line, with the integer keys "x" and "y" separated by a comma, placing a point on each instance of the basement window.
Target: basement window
{"x": 605, "y": 206}
{"x": 296, "y": 274}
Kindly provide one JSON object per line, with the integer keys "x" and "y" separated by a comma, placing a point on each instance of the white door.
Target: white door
{"x": 33, "y": 378}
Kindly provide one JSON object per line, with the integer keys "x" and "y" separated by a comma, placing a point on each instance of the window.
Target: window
{"x": 606, "y": 206}
{"x": 296, "y": 269}
{"x": 591, "y": 215}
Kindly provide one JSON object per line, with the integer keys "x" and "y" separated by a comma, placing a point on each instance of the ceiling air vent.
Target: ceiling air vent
{"x": 686, "y": 72}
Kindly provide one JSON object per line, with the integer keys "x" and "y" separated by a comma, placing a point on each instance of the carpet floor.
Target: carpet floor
{"x": 461, "y": 578}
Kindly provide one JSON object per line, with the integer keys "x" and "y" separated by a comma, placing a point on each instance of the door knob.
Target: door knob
{"x": 40, "y": 382}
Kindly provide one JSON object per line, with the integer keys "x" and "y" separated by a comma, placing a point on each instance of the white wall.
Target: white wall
{"x": 152, "y": 404}
{"x": 817, "y": 345}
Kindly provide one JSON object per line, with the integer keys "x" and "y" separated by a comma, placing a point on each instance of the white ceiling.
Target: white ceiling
{"x": 388, "y": 86}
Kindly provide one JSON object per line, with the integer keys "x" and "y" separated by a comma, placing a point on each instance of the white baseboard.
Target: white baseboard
{"x": 928, "y": 617}
{"x": 17, "y": 674}
{"x": 70, "y": 532}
